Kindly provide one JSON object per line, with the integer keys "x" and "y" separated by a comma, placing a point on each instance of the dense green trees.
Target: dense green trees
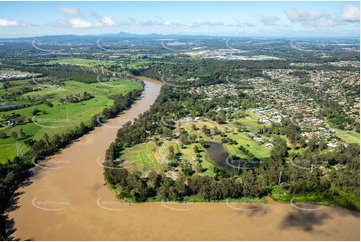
{"x": 14, "y": 172}
{"x": 253, "y": 180}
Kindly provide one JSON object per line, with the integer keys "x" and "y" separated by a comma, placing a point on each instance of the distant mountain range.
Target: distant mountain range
{"x": 159, "y": 36}
{"x": 124, "y": 35}
{"x": 121, "y": 35}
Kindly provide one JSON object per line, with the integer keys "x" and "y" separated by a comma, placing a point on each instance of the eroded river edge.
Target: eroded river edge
{"x": 72, "y": 203}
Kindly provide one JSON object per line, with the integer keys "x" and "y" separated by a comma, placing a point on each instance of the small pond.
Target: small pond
{"x": 218, "y": 154}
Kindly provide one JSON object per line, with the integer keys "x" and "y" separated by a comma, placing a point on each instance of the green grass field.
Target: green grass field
{"x": 141, "y": 157}
{"x": 258, "y": 150}
{"x": 135, "y": 62}
{"x": 79, "y": 62}
{"x": 187, "y": 153}
{"x": 15, "y": 72}
{"x": 352, "y": 137}
{"x": 250, "y": 121}
{"x": 61, "y": 117}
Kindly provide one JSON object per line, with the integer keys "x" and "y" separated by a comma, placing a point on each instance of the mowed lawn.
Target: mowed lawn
{"x": 251, "y": 120}
{"x": 258, "y": 150}
{"x": 352, "y": 137}
{"x": 190, "y": 155}
{"x": 349, "y": 137}
{"x": 141, "y": 156}
{"x": 61, "y": 118}
{"x": 9, "y": 151}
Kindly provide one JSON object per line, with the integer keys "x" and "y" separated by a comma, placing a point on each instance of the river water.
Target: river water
{"x": 66, "y": 200}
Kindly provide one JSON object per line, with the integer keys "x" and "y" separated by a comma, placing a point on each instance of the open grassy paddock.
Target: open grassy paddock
{"x": 352, "y": 137}
{"x": 60, "y": 118}
{"x": 77, "y": 62}
{"x": 141, "y": 157}
{"x": 121, "y": 61}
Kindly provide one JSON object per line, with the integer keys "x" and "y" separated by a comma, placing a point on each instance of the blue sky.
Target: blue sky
{"x": 326, "y": 18}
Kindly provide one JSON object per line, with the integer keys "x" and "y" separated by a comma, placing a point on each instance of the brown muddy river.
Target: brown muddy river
{"x": 66, "y": 200}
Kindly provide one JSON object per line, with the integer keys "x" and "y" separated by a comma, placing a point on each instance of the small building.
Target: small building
{"x": 325, "y": 171}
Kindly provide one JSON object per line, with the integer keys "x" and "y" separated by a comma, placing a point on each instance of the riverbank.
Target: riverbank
{"x": 72, "y": 202}
{"x": 17, "y": 170}
{"x": 63, "y": 177}
{"x": 193, "y": 221}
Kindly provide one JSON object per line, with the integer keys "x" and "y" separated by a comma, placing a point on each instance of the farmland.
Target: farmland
{"x": 114, "y": 63}
{"x": 61, "y": 116}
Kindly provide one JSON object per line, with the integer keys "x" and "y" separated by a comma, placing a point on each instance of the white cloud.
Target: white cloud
{"x": 270, "y": 20}
{"x": 297, "y": 14}
{"x": 70, "y": 10}
{"x": 79, "y": 24}
{"x": 106, "y": 22}
{"x": 9, "y": 23}
{"x": 329, "y": 23}
{"x": 315, "y": 15}
{"x": 169, "y": 23}
{"x": 302, "y": 15}
{"x": 317, "y": 19}
{"x": 350, "y": 13}
{"x": 191, "y": 25}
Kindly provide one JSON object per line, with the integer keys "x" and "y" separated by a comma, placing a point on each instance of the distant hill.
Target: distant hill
{"x": 159, "y": 36}
{"x": 121, "y": 35}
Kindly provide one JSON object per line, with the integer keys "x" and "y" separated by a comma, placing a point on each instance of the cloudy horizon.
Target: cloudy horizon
{"x": 322, "y": 19}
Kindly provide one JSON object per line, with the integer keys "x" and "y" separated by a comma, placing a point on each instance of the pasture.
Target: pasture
{"x": 63, "y": 116}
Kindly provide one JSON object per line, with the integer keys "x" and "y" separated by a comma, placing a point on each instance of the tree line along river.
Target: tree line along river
{"x": 69, "y": 201}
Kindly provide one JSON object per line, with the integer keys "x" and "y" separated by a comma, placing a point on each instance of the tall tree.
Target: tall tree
{"x": 14, "y": 135}
{"x": 46, "y": 137}
{"x": 22, "y": 133}
{"x": 204, "y": 129}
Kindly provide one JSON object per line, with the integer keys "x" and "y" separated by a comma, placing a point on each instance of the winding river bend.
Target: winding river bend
{"x": 66, "y": 200}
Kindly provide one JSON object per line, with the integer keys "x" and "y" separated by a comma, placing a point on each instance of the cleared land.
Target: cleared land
{"x": 350, "y": 137}
{"x": 60, "y": 118}
{"x": 122, "y": 61}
